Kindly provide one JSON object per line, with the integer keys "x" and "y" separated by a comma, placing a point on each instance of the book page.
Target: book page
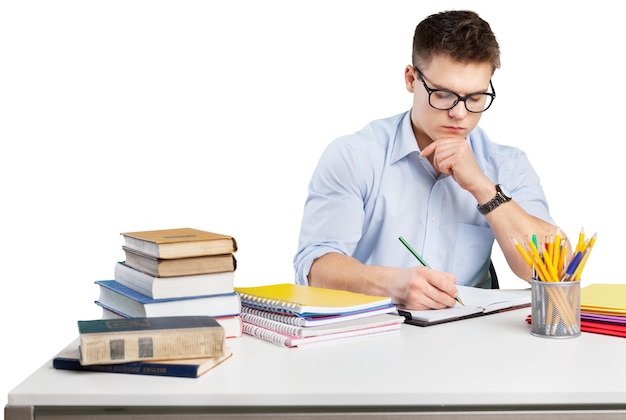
{"x": 476, "y": 301}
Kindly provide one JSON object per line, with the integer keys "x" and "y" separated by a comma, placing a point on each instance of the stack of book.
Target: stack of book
{"x": 292, "y": 315}
{"x": 175, "y": 272}
{"x": 603, "y": 309}
{"x": 183, "y": 346}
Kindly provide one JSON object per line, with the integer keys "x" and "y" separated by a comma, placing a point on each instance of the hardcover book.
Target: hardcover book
{"x": 160, "y": 267}
{"x": 477, "y": 302}
{"x": 125, "y": 300}
{"x": 184, "y": 368}
{"x": 302, "y": 300}
{"x": 110, "y": 341}
{"x": 180, "y": 243}
{"x": 173, "y": 287}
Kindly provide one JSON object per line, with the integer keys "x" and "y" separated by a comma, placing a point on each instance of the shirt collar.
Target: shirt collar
{"x": 404, "y": 142}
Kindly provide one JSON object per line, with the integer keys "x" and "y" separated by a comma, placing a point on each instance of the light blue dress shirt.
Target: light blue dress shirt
{"x": 371, "y": 187}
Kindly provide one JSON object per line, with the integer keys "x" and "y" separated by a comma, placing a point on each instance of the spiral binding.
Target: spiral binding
{"x": 267, "y": 304}
{"x": 271, "y": 324}
{"x": 275, "y": 316}
{"x": 264, "y": 334}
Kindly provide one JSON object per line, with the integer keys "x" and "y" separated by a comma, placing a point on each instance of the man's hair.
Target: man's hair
{"x": 460, "y": 34}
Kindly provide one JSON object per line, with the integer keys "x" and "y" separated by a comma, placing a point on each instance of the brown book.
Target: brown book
{"x": 160, "y": 267}
{"x": 105, "y": 341}
{"x": 179, "y": 243}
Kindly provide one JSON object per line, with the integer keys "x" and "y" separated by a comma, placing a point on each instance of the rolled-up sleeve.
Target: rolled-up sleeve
{"x": 333, "y": 212}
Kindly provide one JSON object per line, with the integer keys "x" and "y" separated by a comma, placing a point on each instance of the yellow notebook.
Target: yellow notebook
{"x": 604, "y": 298}
{"x": 308, "y": 300}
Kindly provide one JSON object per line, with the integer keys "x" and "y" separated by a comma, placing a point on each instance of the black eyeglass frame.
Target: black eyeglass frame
{"x": 459, "y": 98}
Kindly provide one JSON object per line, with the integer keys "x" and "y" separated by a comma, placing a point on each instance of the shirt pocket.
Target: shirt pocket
{"x": 472, "y": 254}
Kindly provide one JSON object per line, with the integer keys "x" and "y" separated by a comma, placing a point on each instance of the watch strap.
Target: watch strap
{"x": 495, "y": 202}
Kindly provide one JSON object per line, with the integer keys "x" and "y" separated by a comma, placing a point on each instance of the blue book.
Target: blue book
{"x": 119, "y": 298}
{"x": 186, "y": 368}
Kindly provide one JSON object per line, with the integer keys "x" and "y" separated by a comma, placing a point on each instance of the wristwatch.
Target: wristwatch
{"x": 502, "y": 196}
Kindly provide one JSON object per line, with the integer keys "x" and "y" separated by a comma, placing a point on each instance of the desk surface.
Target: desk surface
{"x": 487, "y": 362}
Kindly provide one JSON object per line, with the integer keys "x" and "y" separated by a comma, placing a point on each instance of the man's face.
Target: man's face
{"x": 443, "y": 72}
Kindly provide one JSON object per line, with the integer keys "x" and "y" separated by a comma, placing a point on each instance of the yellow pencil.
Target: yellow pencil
{"x": 538, "y": 264}
{"x": 581, "y": 241}
{"x": 562, "y": 258}
{"x": 549, "y": 316}
{"x": 556, "y": 255}
{"x": 523, "y": 253}
{"x": 583, "y": 261}
{"x": 545, "y": 268}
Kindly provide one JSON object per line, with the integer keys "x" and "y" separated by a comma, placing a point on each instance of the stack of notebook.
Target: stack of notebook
{"x": 603, "y": 309}
{"x": 292, "y": 315}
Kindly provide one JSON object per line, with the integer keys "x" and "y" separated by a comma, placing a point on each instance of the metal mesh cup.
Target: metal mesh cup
{"x": 555, "y": 309}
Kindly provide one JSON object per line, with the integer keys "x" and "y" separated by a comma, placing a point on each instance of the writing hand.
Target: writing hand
{"x": 424, "y": 288}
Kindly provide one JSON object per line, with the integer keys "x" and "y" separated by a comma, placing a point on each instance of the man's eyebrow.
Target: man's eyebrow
{"x": 439, "y": 87}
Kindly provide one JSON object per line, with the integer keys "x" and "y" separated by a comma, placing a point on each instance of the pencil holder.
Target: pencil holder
{"x": 555, "y": 309}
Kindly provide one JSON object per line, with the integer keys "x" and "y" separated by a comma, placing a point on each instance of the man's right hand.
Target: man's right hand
{"x": 424, "y": 288}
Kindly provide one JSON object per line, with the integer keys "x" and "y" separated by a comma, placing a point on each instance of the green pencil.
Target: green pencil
{"x": 422, "y": 261}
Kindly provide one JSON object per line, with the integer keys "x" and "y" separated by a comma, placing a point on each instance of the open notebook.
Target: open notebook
{"x": 477, "y": 302}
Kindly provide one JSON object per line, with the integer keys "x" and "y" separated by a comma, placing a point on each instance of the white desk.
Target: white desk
{"x": 476, "y": 368}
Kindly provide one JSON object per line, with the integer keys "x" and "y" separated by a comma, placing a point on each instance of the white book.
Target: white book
{"x": 174, "y": 287}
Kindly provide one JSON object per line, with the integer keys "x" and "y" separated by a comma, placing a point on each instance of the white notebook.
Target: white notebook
{"x": 477, "y": 302}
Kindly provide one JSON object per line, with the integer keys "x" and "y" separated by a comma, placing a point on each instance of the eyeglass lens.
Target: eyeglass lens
{"x": 444, "y": 100}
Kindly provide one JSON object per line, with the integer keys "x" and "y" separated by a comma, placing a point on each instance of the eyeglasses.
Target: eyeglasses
{"x": 444, "y": 99}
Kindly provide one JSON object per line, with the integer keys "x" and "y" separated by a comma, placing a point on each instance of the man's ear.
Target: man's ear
{"x": 409, "y": 78}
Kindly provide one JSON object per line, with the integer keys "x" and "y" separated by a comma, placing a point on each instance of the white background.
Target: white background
{"x": 135, "y": 115}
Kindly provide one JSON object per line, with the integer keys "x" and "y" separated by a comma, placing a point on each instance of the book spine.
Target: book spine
{"x": 271, "y": 324}
{"x": 138, "y": 368}
{"x": 285, "y": 319}
{"x": 265, "y": 334}
{"x": 146, "y": 345}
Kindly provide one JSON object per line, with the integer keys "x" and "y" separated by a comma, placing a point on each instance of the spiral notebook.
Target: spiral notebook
{"x": 374, "y": 321}
{"x": 305, "y": 301}
{"x": 391, "y": 324}
{"x": 312, "y": 321}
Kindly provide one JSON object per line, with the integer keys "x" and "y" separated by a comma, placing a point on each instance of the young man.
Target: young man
{"x": 429, "y": 175}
